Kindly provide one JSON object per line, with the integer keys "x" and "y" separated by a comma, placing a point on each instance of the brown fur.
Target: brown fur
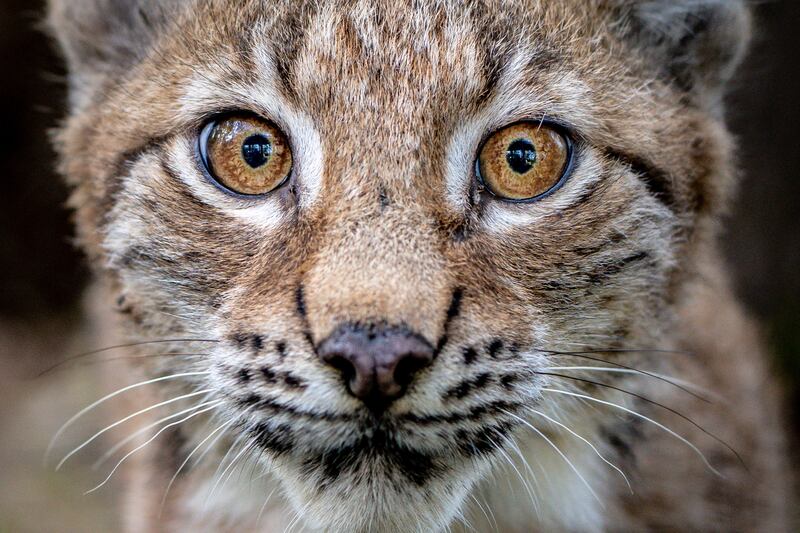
{"x": 385, "y": 104}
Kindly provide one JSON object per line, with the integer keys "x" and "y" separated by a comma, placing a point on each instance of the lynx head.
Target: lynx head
{"x": 393, "y": 217}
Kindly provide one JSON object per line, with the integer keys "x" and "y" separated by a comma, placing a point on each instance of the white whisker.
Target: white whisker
{"x": 668, "y": 379}
{"x": 228, "y": 468}
{"x": 88, "y": 408}
{"x": 556, "y": 448}
{"x": 114, "y": 449}
{"x": 210, "y": 447}
{"x": 639, "y": 415}
{"x": 217, "y": 475}
{"x": 214, "y": 405}
{"x": 120, "y": 422}
{"x": 461, "y": 517}
{"x": 674, "y": 383}
{"x": 242, "y": 466}
{"x": 296, "y": 519}
{"x": 516, "y": 449}
{"x": 186, "y": 461}
{"x": 491, "y": 521}
{"x": 218, "y": 437}
{"x": 592, "y": 446}
{"x": 264, "y": 506}
{"x": 525, "y": 484}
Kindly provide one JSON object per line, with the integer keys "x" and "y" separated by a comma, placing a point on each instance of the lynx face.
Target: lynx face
{"x": 388, "y": 273}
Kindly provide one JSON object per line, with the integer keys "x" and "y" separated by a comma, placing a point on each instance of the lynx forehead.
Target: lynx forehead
{"x": 418, "y": 244}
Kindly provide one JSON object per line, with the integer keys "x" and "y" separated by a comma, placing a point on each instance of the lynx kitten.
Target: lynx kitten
{"x": 420, "y": 266}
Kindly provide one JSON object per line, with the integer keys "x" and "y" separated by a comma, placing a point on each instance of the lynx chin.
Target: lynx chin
{"x": 401, "y": 266}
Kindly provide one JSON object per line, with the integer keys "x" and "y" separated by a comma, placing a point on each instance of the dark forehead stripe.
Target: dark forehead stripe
{"x": 289, "y": 33}
{"x": 121, "y": 167}
{"x": 292, "y": 29}
{"x": 493, "y": 57}
{"x": 186, "y": 193}
{"x": 657, "y": 181}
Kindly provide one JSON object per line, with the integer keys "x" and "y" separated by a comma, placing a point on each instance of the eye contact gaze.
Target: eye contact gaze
{"x": 256, "y": 150}
{"x": 409, "y": 241}
{"x": 525, "y": 161}
{"x": 245, "y": 155}
{"x": 522, "y": 162}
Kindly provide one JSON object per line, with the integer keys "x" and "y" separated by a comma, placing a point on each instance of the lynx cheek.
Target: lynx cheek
{"x": 245, "y": 154}
{"x": 524, "y": 162}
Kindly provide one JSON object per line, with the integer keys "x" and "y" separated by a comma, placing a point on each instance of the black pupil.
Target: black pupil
{"x": 521, "y": 156}
{"x": 256, "y": 150}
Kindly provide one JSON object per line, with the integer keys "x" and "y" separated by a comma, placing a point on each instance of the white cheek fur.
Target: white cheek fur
{"x": 264, "y": 213}
{"x": 204, "y": 93}
{"x": 565, "y": 95}
{"x": 501, "y": 217}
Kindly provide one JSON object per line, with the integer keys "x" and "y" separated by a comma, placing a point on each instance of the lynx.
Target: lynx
{"x": 420, "y": 266}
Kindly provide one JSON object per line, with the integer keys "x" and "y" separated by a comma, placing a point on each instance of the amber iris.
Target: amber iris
{"x": 524, "y": 161}
{"x": 246, "y": 154}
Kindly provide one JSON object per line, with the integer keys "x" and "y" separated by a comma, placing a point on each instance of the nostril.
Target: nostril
{"x": 343, "y": 365}
{"x": 377, "y": 363}
{"x": 408, "y": 366}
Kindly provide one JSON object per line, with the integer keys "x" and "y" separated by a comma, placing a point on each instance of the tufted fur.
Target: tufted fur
{"x": 385, "y": 104}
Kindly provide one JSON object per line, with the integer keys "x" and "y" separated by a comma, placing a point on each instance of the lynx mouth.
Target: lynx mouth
{"x": 377, "y": 450}
{"x": 327, "y": 447}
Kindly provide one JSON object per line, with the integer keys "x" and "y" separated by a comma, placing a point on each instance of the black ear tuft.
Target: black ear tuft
{"x": 699, "y": 42}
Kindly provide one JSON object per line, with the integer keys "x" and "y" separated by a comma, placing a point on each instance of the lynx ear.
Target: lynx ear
{"x": 101, "y": 38}
{"x": 699, "y": 42}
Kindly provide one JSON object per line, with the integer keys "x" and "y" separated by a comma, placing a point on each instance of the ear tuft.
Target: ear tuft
{"x": 700, "y": 42}
{"x": 100, "y": 38}
{"x": 96, "y": 33}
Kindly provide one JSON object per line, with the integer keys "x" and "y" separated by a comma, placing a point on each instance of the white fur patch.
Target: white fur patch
{"x": 212, "y": 91}
{"x": 565, "y": 96}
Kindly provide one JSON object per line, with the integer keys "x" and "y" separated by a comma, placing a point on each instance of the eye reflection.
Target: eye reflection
{"x": 521, "y": 156}
{"x": 256, "y": 150}
{"x": 524, "y": 161}
{"x": 246, "y": 154}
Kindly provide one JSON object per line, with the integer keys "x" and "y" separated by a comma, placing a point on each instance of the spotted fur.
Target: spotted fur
{"x": 385, "y": 104}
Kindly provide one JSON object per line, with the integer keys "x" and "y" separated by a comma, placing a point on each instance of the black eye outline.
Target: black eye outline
{"x": 565, "y": 175}
{"x": 201, "y": 154}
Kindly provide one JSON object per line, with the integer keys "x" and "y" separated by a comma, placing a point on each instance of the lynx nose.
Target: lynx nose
{"x": 377, "y": 363}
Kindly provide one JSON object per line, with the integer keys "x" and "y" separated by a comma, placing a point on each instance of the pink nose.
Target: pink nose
{"x": 377, "y": 362}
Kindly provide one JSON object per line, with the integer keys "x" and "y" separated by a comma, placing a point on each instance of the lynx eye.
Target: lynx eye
{"x": 524, "y": 161}
{"x": 245, "y": 154}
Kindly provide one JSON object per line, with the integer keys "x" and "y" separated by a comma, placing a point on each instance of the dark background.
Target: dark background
{"x": 43, "y": 276}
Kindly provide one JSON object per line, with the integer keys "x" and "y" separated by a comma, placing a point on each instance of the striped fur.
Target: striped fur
{"x": 385, "y": 104}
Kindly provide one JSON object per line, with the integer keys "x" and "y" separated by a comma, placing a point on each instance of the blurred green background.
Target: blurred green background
{"x": 43, "y": 276}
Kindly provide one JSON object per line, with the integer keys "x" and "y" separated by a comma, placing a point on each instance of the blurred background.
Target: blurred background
{"x": 43, "y": 276}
